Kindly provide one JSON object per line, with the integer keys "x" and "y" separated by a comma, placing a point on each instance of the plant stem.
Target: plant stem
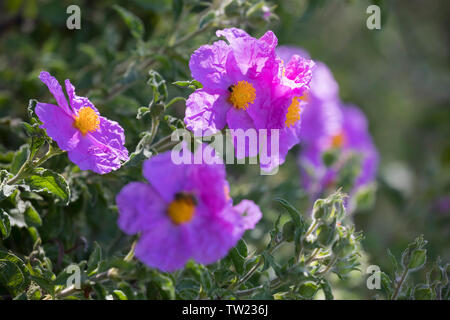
{"x": 98, "y": 277}
{"x": 313, "y": 255}
{"x": 329, "y": 266}
{"x": 29, "y": 165}
{"x": 130, "y": 254}
{"x": 400, "y": 284}
{"x": 254, "y": 268}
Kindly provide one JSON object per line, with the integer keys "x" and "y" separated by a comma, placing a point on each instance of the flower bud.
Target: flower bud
{"x": 326, "y": 234}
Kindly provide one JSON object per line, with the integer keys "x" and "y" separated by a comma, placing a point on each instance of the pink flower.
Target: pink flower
{"x": 91, "y": 141}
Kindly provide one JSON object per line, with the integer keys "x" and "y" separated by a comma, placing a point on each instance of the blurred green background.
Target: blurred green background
{"x": 399, "y": 76}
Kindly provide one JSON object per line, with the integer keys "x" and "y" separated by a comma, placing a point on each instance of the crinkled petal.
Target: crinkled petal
{"x": 232, "y": 34}
{"x": 206, "y": 111}
{"x": 300, "y": 70}
{"x": 58, "y": 125}
{"x": 91, "y": 154}
{"x": 110, "y": 133}
{"x": 56, "y": 90}
{"x": 208, "y": 65}
{"x": 140, "y": 208}
{"x": 251, "y": 55}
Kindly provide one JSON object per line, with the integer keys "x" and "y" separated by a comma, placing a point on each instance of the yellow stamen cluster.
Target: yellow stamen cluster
{"x": 304, "y": 97}
{"x": 242, "y": 94}
{"x": 338, "y": 140}
{"x": 293, "y": 114}
{"x": 86, "y": 120}
{"x": 181, "y": 209}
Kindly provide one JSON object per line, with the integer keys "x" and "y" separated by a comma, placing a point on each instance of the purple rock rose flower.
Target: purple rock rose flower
{"x": 183, "y": 212}
{"x": 327, "y": 124}
{"x": 246, "y": 86}
{"x": 92, "y": 142}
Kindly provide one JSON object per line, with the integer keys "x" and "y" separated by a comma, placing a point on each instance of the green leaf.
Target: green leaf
{"x": 94, "y": 258}
{"x": 20, "y": 158}
{"x": 159, "y": 87}
{"x": 289, "y": 231}
{"x": 32, "y": 218}
{"x": 326, "y": 288}
{"x": 308, "y": 289}
{"x": 242, "y": 248}
{"x": 393, "y": 260}
{"x": 418, "y": 259}
{"x": 177, "y": 8}
{"x": 12, "y": 272}
{"x": 120, "y": 295}
{"x": 238, "y": 260}
{"x": 5, "y": 225}
{"x": 49, "y": 181}
{"x": 424, "y": 292}
{"x": 293, "y": 212}
{"x": 192, "y": 84}
{"x": 5, "y": 189}
{"x": 44, "y": 283}
{"x": 326, "y": 234}
{"x": 161, "y": 285}
{"x": 133, "y": 22}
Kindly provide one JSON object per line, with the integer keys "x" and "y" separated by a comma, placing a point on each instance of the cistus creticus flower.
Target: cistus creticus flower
{"x": 327, "y": 125}
{"x": 246, "y": 86}
{"x": 92, "y": 142}
{"x": 183, "y": 212}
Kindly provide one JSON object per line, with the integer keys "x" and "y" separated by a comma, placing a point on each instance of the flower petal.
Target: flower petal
{"x": 286, "y": 52}
{"x": 239, "y": 119}
{"x": 208, "y": 182}
{"x": 208, "y": 65}
{"x": 91, "y": 154}
{"x": 140, "y": 208}
{"x": 110, "y": 133}
{"x": 166, "y": 247}
{"x": 232, "y": 34}
{"x": 251, "y": 54}
{"x": 206, "y": 111}
{"x": 58, "y": 125}
{"x": 166, "y": 177}
{"x": 300, "y": 70}
{"x": 56, "y": 90}
{"x": 249, "y": 213}
{"x": 212, "y": 236}
{"x": 77, "y": 102}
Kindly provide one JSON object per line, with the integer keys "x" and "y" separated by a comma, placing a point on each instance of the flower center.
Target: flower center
{"x": 86, "y": 120}
{"x": 181, "y": 209}
{"x": 338, "y": 140}
{"x": 293, "y": 114}
{"x": 242, "y": 94}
